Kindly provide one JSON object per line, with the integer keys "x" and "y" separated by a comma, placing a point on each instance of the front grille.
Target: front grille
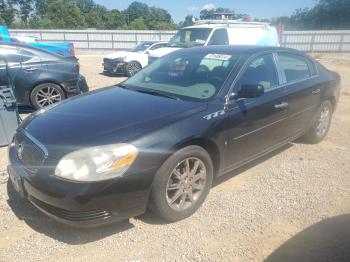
{"x": 29, "y": 153}
{"x": 71, "y": 215}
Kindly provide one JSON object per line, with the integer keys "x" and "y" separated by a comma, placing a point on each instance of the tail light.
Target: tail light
{"x": 72, "y": 49}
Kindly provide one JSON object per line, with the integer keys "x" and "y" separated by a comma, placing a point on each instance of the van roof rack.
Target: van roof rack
{"x": 231, "y": 23}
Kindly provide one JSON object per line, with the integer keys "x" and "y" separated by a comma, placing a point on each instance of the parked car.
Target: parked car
{"x": 219, "y": 32}
{"x": 40, "y": 78}
{"x": 131, "y": 61}
{"x": 161, "y": 137}
{"x": 62, "y": 48}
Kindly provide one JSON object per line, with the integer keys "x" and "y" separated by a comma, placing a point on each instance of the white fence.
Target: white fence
{"x": 309, "y": 41}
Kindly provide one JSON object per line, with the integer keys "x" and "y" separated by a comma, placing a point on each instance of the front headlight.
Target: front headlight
{"x": 97, "y": 163}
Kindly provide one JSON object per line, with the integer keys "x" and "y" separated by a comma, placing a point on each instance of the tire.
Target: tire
{"x": 42, "y": 93}
{"x": 132, "y": 68}
{"x": 320, "y": 124}
{"x": 166, "y": 180}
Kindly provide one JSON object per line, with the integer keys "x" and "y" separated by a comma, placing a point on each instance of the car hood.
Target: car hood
{"x": 111, "y": 115}
{"x": 120, "y": 54}
{"x": 162, "y": 51}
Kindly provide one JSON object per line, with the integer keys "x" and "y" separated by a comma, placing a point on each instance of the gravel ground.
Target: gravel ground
{"x": 292, "y": 205}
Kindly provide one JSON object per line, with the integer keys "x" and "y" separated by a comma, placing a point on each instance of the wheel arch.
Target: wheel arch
{"x": 207, "y": 145}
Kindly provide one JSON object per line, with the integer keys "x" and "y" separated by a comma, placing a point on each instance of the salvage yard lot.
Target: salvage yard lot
{"x": 289, "y": 204}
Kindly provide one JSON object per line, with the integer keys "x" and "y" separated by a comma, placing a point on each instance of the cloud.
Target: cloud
{"x": 208, "y": 7}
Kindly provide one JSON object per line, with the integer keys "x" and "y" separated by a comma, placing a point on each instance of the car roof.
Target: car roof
{"x": 239, "y": 49}
{"x": 12, "y": 44}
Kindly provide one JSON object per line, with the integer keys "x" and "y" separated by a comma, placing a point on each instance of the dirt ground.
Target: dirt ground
{"x": 292, "y": 205}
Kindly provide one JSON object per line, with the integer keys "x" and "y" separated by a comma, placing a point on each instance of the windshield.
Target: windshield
{"x": 188, "y": 76}
{"x": 141, "y": 47}
{"x": 188, "y": 37}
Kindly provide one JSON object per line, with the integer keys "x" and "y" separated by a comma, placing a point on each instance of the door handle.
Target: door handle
{"x": 316, "y": 91}
{"x": 282, "y": 105}
{"x": 30, "y": 69}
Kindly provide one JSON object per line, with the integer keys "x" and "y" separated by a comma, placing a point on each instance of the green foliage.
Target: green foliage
{"x": 8, "y": 11}
{"x": 65, "y": 14}
{"x": 326, "y": 15}
{"x": 76, "y": 14}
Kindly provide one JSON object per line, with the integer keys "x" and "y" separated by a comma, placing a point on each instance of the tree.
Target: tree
{"x": 8, "y": 11}
{"x": 136, "y": 10}
{"x": 86, "y": 6}
{"x": 138, "y": 24}
{"x": 25, "y": 7}
{"x": 115, "y": 20}
{"x": 65, "y": 14}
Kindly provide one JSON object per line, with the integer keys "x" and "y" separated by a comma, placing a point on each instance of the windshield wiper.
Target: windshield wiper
{"x": 156, "y": 93}
{"x": 122, "y": 86}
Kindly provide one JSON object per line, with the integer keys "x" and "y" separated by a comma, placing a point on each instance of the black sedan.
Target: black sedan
{"x": 161, "y": 137}
{"x": 40, "y": 78}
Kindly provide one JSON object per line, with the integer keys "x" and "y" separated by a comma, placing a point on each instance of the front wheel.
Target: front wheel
{"x": 132, "y": 68}
{"x": 182, "y": 184}
{"x": 321, "y": 123}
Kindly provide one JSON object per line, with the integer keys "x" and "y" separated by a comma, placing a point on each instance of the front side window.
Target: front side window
{"x": 187, "y": 76}
{"x": 141, "y": 47}
{"x": 189, "y": 37}
{"x": 219, "y": 37}
{"x": 156, "y": 46}
{"x": 295, "y": 67}
{"x": 261, "y": 71}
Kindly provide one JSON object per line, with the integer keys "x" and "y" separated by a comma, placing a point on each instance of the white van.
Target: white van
{"x": 219, "y": 32}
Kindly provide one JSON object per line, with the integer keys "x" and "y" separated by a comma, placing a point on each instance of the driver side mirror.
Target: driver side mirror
{"x": 251, "y": 91}
{"x": 247, "y": 91}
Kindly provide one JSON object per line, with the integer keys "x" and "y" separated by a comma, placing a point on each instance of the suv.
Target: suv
{"x": 219, "y": 32}
{"x": 131, "y": 61}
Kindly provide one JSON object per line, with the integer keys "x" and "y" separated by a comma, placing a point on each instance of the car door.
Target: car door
{"x": 257, "y": 125}
{"x": 28, "y": 74}
{"x": 303, "y": 89}
{"x": 10, "y": 66}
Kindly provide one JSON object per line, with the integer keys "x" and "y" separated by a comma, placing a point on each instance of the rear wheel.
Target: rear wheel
{"x": 321, "y": 123}
{"x": 46, "y": 94}
{"x": 132, "y": 68}
{"x": 182, "y": 184}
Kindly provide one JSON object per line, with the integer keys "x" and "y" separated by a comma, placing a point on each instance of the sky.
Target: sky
{"x": 256, "y": 8}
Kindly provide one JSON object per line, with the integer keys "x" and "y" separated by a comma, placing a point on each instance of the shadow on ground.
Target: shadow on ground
{"x": 328, "y": 240}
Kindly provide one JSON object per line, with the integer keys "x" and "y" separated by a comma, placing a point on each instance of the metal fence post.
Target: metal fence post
{"x": 312, "y": 42}
{"x": 341, "y": 43}
{"x": 88, "y": 40}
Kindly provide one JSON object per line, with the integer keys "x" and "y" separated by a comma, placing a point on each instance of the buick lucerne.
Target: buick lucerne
{"x": 160, "y": 138}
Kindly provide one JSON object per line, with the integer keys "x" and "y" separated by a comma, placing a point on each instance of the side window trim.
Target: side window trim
{"x": 309, "y": 63}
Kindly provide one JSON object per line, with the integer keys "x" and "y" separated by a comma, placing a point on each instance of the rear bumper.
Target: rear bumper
{"x": 80, "y": 204}
{"x": 76, "y": 87}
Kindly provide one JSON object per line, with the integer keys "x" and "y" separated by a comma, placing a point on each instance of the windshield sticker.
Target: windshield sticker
{"x": 218, "y": 56}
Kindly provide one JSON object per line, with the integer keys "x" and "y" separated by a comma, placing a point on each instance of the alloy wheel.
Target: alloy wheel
{"x": 186, "y": 183}
{"x": 48, "y": 96}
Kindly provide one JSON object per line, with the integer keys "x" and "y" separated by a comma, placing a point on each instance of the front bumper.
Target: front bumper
{"x": 80, "y": 204}
{"x": 115, "y": 67}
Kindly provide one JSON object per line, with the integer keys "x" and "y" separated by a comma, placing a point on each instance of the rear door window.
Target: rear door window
{"x": 295, "y": 67}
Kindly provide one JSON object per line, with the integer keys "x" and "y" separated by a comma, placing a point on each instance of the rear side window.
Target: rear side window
{"x": 219, "y": 37}
{"x": 296, "y": 67}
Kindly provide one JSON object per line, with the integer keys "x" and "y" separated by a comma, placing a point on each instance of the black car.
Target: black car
{"x": 40, "y": 78}
{"x": 161, "y": 137}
